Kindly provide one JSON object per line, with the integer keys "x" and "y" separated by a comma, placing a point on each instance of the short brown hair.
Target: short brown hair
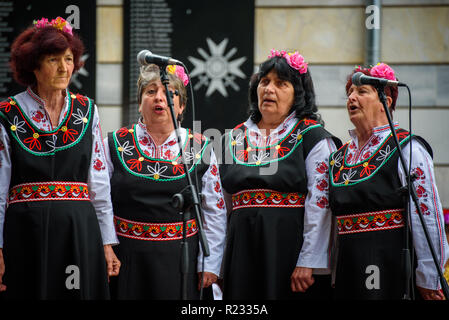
{"x": 33, "y": 44}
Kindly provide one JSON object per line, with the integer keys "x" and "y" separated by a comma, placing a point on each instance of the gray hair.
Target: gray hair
{"x": 150, "y": 73}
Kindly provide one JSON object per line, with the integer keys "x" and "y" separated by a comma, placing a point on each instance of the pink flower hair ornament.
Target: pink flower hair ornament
{"x": 383, "y": 70}
{"x": 380, "y": 70}
{"x": 58, "y": 23}
{"x": 179, "y": 72}
{"x": 294, "y": 59}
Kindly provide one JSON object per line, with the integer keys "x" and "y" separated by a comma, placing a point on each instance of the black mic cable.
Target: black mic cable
{"x": 195, "y": 170}
{"x": 409, "y": 201}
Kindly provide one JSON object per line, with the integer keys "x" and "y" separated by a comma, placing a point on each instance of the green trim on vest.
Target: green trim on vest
{"x": 53, "y": 132}
{"x": 155, "y": 176}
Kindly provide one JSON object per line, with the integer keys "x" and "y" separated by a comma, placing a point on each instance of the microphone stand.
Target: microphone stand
{"x": 186, "y": 198}
{"x": 409, "y": 191}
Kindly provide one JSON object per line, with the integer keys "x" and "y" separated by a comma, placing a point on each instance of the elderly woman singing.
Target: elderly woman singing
{"x": 146, "y": 170}
{"x": 365, "y": 177}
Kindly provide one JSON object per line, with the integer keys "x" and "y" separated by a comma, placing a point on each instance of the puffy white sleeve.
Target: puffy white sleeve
{"x": 317, "y": 216}
{"x": 99, "y": 184}
{"x": 430, "y": 204}
{"x": 214, "y": 212}
{"x": 5, "y": 176}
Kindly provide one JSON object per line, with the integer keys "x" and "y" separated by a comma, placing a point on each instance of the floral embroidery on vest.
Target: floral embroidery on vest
{"x": 245, "y": 153}
{"x": 343, "y": 174}
{"x": 136, "y": 162}
{"x": 40, "y": 142}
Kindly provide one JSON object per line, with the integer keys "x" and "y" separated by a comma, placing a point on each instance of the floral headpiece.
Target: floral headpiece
{"x": 380, "y": 70}
{"x": 179, "y": 72}
{"x": 58, "y": 23}
{"x": 294, "y": 59}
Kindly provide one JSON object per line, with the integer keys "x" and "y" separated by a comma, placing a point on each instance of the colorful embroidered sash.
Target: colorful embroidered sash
{"x": 153, "y": 231}
{"x": 267, "y": 198}
{"x": 370, "y": 221}
{"x": 43, "y": 191}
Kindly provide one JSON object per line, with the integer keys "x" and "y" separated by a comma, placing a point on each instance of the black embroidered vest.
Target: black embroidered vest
{"x": 142, "y": 187}
{"x": 63, "y": 154}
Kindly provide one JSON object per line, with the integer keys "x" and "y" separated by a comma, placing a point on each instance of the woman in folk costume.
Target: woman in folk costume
{"x": 56, "y": 220}
{"x": 365, "y": 177}
{"x": 146, "y": 170}
{"x": 274, "y": 173}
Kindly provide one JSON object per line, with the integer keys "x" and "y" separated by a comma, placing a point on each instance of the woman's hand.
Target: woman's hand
{"x": 209, "y": 278}
{"x": 429, "y": 294}
{"x": 112, "y": 263}
{"x": 2, "y": 271}
{"x": 301, "y": 279}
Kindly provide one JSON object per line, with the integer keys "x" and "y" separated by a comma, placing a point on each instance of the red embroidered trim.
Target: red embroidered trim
{"x": 267, "y": 198}
{"x": 153, "y": 231}
{"x": 370, "y": 221}
{"x": 43, "y": 191}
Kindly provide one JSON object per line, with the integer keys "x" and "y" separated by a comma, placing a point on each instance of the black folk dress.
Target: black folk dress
{"x": 149, "y": 228}
{"x": 265, "y": 229}
{"x": 369, "y": 210}
{"x": 53, "y": 247}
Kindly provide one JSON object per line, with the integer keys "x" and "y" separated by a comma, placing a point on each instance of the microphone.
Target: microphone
{"x": 145, "y": 57}
{"x": 360, "y": 79}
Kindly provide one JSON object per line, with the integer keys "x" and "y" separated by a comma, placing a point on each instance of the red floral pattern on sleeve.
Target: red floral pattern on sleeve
{"x": 220, "y": 203}
{"x": 322, "y": 202}
{"x": 217, "y": 187}
{"x": 424, "y": 209}
{"x": 322, "y": 185}
{"x": 214, "y": 170}
{"x": 421, "y": 192}
{"x": 322, "y": 168}
{"x": 98, "y": 165}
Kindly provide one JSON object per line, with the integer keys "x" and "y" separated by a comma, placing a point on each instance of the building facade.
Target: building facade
{"x": 331, "y": 35}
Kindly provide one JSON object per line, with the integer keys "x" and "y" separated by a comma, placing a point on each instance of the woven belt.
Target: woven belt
{"x": 153, "y": 231}
{"x": 267, "y": 198}
{"x": 370, "y": 221}
{"x": 44, "y": 191}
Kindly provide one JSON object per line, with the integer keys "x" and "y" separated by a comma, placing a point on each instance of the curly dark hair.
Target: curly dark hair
{"x": 33, "y": 44}
{"x": 304, "y": 100}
